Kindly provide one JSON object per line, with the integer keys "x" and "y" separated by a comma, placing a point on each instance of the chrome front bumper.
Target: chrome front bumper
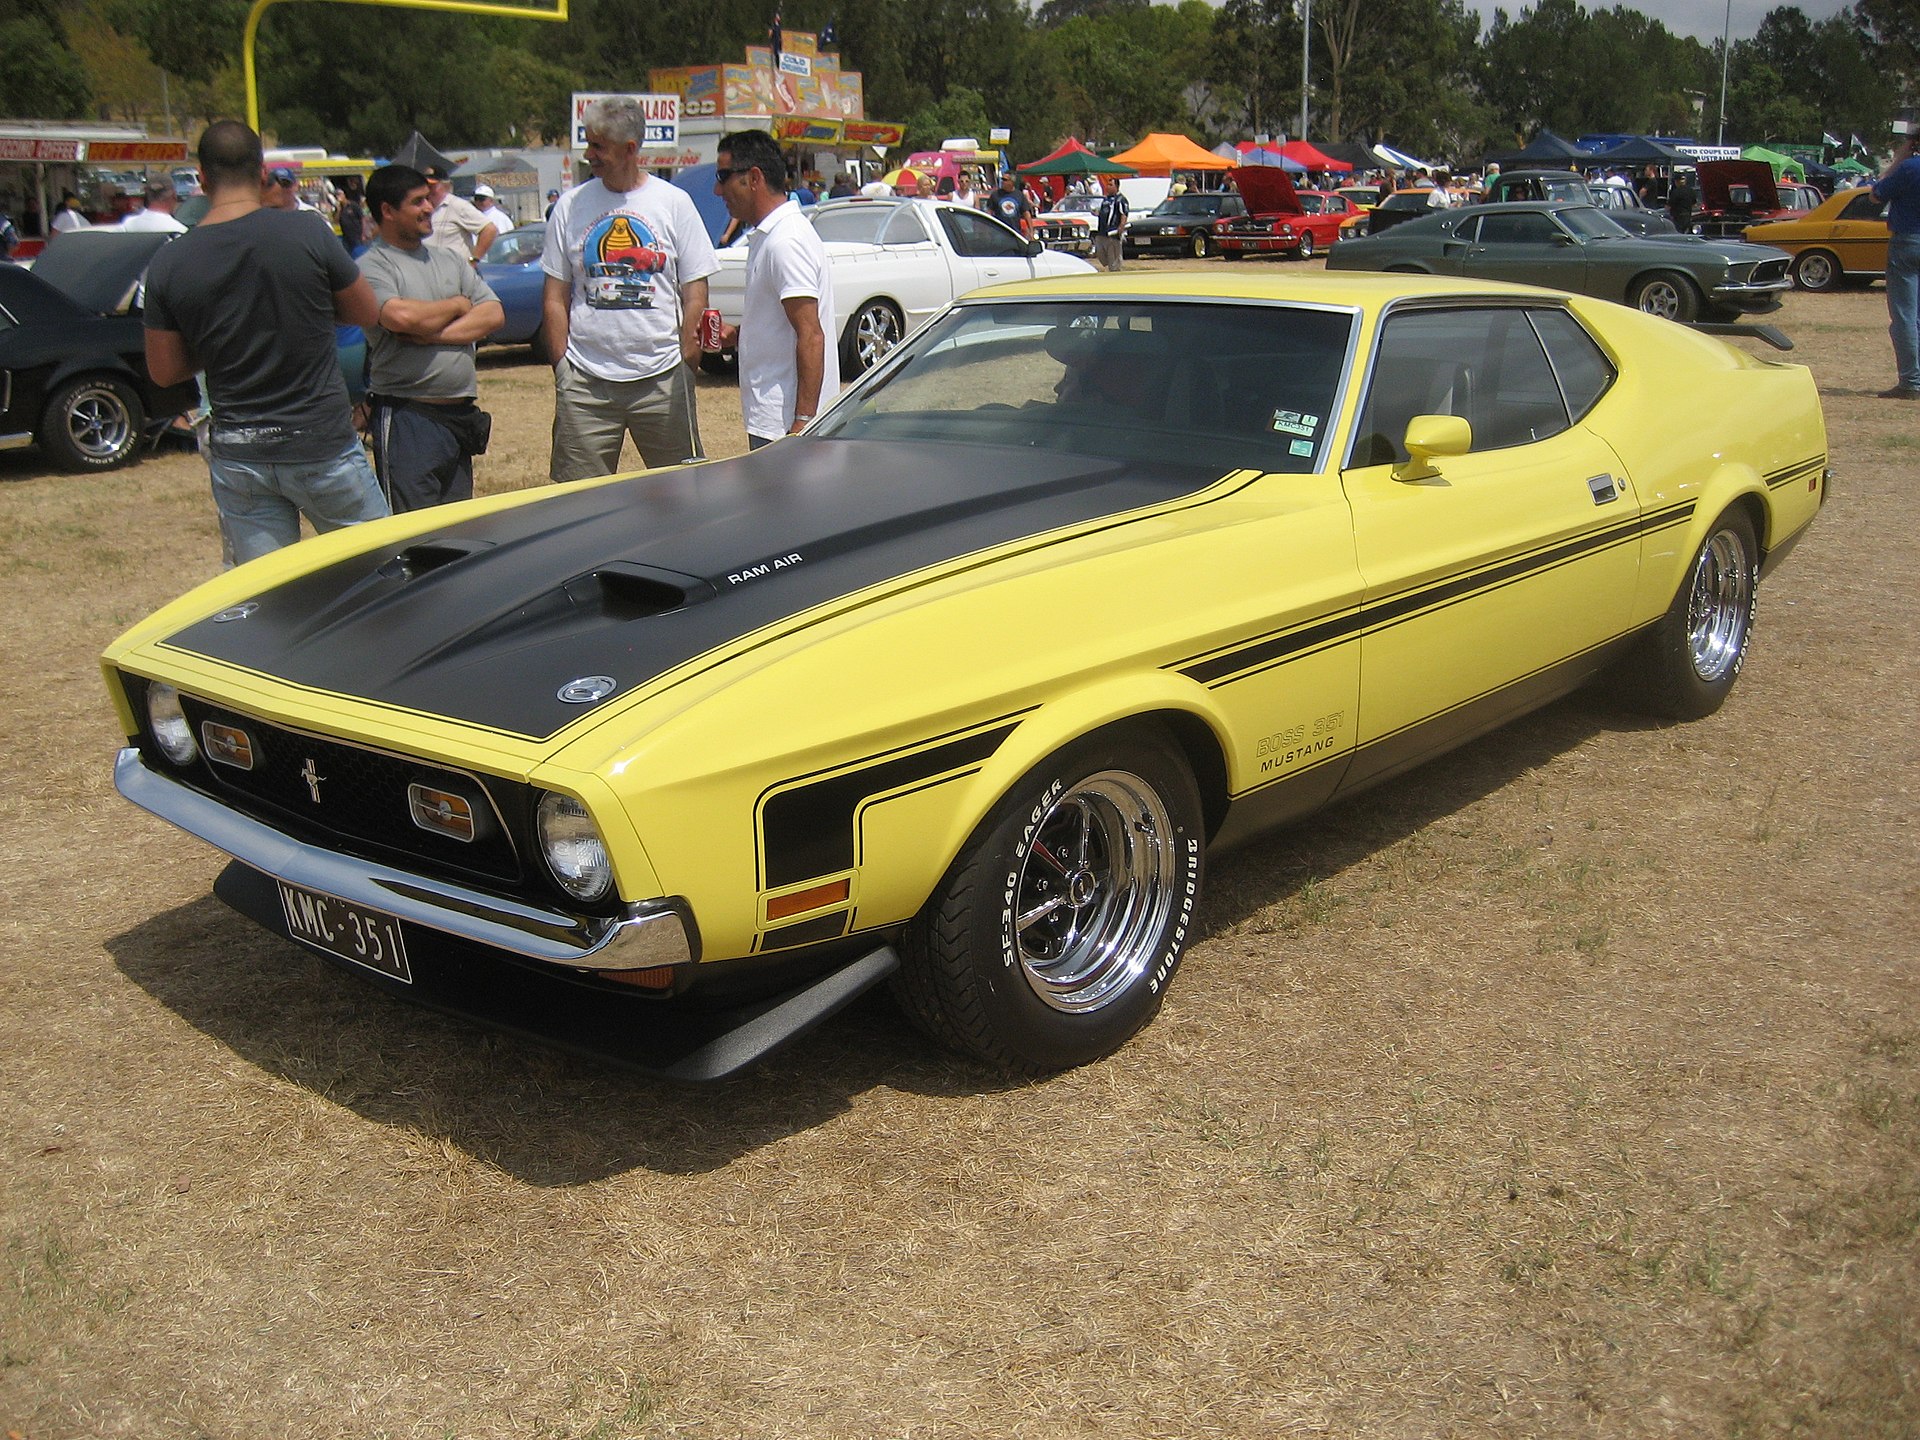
{"x": 644, "y": 935}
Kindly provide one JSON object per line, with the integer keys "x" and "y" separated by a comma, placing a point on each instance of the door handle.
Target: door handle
{"x": 1603, "y": 488}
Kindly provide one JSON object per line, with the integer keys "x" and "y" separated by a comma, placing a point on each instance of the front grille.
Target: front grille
{"x": 362, "y": 795}
{"x": 1770, "y": 270}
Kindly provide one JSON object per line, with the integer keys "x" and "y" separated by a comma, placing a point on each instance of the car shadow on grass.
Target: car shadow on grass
{"x": 552, "y": 1118}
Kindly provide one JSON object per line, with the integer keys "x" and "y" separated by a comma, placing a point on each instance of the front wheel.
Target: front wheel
{"x": 872, "y": 333}
{"x": 1052, "y": 939}
{"x": 92, "y": 423}
{"x": 1670, "y": 296}
{"x": 1201, "y": 245}
{"x": 1816, "y": 270}
{"x": 1684, "y": 667}
{"x": 1306, "y": 247}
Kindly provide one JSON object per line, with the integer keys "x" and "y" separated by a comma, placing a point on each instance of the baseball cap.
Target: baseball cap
{"x": 280, "y": 175}
{"x": 486, "y": 190}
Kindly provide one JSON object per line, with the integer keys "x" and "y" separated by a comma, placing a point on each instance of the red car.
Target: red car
{"x": 1737, "y": 193}
{"x": 1280, "y": 220}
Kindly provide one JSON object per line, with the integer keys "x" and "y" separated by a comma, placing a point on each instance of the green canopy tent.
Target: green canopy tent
{"x": 1782, "y": 164}
{"x": 1081, "y": 161}
{"x": 1852, "y": 167}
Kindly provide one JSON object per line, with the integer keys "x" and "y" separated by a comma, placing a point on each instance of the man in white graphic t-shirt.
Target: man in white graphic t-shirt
{"x": 627, "y": 259}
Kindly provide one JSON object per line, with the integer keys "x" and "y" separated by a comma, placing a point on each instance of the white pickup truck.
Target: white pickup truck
{"x": 896, "y": 262}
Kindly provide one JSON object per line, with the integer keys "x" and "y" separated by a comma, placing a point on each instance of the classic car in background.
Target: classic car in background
{"x": 1182, "y": 224}
{"x": 897, "y": 261}
{"x": 1843, "y": 238}
{"x": 1735, "y": 194}
{"x": 673, "y": 766}
{"x": 1069, "y": 224}
{"x": 512, "y": 269}
{"x": 1362, "y": 197}
{"x": 1280, "y": 220}
{"x": 1620, "y": 203}
{"x": 73, "y": 360}
{"x": 1579, "y": 248}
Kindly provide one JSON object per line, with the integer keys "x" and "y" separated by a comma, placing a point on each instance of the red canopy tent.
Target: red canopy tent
{"x": 1311, "y": 158}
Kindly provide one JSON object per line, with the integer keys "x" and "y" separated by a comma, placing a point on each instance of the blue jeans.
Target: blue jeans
{"x": 260, "y": 504}
{"x": 1903, "y": 305}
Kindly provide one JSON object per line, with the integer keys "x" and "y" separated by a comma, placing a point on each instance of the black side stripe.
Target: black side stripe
{"x": 807, "y": 827}
{"x": 1798, "y": 470}
{"x": 1263, "y": 652}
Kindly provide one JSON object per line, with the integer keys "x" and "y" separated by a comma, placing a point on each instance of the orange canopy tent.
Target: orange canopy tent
{"x": 1160, "y": 154}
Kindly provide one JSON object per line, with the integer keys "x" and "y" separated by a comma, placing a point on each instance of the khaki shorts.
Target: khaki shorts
{"x": 592, "y": 417}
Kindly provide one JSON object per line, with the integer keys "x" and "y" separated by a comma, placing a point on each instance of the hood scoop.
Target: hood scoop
{"x": 624, "y": 590}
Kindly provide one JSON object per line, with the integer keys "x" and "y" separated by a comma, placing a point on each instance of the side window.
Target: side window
{"x": 1485, "y": 365}
{"x": 1864, "y": 207}
{"x": 1581, "y": 366}
{"x": 1520, "y": 227}
{"x": 905, "y": 228}
{"x": 980, "y": 237}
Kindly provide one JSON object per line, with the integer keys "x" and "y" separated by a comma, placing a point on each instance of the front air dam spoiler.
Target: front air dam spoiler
{"x": 668, "y": 1039}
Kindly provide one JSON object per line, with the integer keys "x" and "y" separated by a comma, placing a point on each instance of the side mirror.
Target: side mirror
{"x": 1035, "y": 247}
{"x": 1430, "y": 437}
{"x": 1563, "y": 239}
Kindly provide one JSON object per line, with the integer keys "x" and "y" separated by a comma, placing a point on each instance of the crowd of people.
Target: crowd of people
{"x": 248, "y": 301}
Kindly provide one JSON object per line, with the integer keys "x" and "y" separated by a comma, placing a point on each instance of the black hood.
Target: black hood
{"x": 487, "y": 619}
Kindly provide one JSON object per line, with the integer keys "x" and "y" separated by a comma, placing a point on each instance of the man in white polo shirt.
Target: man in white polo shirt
{"x": 789, "y": 364}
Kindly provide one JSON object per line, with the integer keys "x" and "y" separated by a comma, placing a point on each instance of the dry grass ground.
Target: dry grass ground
{"x": 1570, "y": 1086}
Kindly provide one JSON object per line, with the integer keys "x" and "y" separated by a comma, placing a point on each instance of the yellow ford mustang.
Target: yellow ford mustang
{"x": 959, "y": 687}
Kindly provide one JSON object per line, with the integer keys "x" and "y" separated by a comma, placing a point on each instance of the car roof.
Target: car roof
{"x": 1362, "y": 289}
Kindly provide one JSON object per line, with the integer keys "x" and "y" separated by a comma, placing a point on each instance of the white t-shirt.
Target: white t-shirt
{"x": 502, "y": 222}
{"x": 785, "y": 259}
{"x": 65, "y": 220}
{"x": 457, "y": 226}
{"x": 626, "y": 254}
{"x": 157, "y": 220}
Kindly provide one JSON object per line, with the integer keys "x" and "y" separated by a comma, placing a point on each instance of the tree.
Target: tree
{"x": 39, "y": 76}
{"x": 1255, "y": 63}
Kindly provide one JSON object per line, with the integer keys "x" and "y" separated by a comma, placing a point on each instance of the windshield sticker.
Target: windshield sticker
{"x": 1292, "y": 422}
{"x": 1300, "y": 447}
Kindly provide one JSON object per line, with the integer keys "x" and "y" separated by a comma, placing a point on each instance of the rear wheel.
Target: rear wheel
{"x": 1686, "y": 664}
{"x": 1201, "y": 244}
{"x": 1670, "y": 296}
{"x": 1817, "y": 270}
{"x": 1052, "y": 939}
{"x": 92, "y": 423}
{"x": 870, "y": 335}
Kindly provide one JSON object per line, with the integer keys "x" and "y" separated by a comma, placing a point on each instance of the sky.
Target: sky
{"x": 1702, "y": 19}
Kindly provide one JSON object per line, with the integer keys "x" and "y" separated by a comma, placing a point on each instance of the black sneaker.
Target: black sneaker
{"x": 1900, "y": 392}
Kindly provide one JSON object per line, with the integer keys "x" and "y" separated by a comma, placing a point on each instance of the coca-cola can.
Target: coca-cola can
{"x": 709, "y": 329}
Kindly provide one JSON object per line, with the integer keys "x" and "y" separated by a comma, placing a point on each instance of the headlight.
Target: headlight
{"x": 168, "y": 721}
{"x": 572, "y": 847}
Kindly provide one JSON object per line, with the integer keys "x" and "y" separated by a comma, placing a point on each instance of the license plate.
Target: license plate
{"x": 354, "y": 933}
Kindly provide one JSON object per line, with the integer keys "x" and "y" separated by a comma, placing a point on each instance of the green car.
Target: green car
{"x": 1580, "y": 248}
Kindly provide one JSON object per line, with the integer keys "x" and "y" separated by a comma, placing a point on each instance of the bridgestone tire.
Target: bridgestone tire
{"x": 1052, "y": 939}
{"x": 1684, "y": 667}
{"x": 92, "y": 423}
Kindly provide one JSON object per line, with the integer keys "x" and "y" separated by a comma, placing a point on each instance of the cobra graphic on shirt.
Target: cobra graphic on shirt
{"x": 621, "y": 257}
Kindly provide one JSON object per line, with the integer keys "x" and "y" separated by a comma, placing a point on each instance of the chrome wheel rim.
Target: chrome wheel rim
{"x": 98, "y": 423}
{"x": 1661, "y": 298}
{"x": 1815, "y": 272}
{"x": 1718, "y": 607}
{"x": 1306, "y": 247}
{"x": 875, "y": 333}
{"x": 1093, "y": 892}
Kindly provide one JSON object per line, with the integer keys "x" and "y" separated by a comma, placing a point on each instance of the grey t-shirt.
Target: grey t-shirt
{"x": 402, "y": 369}
{"x": 253, "y": 299}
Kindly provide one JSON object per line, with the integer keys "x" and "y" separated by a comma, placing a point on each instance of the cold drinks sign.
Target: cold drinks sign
{"x": 662, "y": 114}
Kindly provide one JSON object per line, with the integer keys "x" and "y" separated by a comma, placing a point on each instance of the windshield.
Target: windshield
{"x": 1211, "y": 386}
{"x": 1591, "y": 224}
{"x": 1190, "y": 205}
{"x": 1407, "y": 200}
{"x": 1081, "y": 204}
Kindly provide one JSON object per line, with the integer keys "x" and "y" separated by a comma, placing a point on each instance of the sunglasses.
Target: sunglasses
{"x": 720, "y": 177}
